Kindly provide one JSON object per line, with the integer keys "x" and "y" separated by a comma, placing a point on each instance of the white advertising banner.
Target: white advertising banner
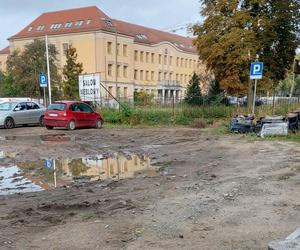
{"x": 89, "y": 87}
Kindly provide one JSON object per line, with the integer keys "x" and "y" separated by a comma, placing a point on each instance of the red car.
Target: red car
{"x": 72, "y": 115}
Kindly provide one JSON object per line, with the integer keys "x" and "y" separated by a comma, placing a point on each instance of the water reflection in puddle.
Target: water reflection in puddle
{"x": 42, "y": 138}
{"x": 48, "y": 174}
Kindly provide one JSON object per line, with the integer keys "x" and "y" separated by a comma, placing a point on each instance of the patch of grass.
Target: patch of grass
{"x": 88, "y": 216}
{"x": 165, "y": 166}
{"x": 165, "y": 116}
{"x": 283, "y": 177}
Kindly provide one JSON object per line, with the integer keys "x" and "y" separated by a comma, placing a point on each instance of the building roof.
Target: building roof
{"x": 92, "y": 19}
{"x": 5, "y": 51}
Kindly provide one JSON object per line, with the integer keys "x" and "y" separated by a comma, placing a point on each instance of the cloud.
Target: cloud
{"x": 155, "y": 13}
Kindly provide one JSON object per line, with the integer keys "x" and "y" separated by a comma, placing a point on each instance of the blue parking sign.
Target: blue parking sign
{"x": 43, "y": 80}
{"x": 256, "y": 71}
{"x": 49, "y": 164}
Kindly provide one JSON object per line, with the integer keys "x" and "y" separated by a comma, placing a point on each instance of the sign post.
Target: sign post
{"x": 43, "y": 80}
{"x": 256, "y": 73}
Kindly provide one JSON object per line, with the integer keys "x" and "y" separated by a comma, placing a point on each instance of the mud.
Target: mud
{"x": 209, "y": 192}
{"x": 34, "y": 176}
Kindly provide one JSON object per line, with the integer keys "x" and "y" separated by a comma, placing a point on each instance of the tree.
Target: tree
{"x": 215, "y": 94}
{"x": 25, "y": 67}
{"x": 194, "y": 95}
{"x": 235, "y": 31}
{"x": 7, "y": 86}
{"x": 71, "y": 72}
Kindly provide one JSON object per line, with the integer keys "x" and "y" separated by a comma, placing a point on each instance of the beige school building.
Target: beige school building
{"x": 129, "y": 57}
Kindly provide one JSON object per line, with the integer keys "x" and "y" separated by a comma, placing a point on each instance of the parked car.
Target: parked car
{"x": 21, "y": 113}
{"x": 72, "y": 115}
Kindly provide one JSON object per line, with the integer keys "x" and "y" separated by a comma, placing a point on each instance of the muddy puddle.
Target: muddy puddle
{"x": 40, "y": 138}
{"x": 48, "y": 174}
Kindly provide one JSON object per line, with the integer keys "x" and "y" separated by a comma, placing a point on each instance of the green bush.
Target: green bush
{"x": 183, "y": 120}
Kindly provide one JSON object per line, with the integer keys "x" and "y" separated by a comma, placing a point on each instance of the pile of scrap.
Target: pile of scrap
{"x": 266, "y": 126}
{"x": 272, "y": 126}
{"x": 242, "y": 124}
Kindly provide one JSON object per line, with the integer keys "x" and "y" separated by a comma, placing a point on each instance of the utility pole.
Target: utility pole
{"x": 48, "y": 69}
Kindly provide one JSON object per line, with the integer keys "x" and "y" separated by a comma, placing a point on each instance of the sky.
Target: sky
{"x": 160, "y": 14}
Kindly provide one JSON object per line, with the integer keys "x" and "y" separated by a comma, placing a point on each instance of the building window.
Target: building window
{"x": 165, "y": 76}
{"x": 177, "y": 62}
{"x": 135, "y": 74}
{"x": 68, "y": 25}
{"x": 147, "y": 57}
{"x": 55, "y": 26}
{"x": 125, "y": 50}
{"x": 181, "y": 63}
{"x": 152, "y": 57}
{"x": 190, "y": 64}
{"x": 118, "y": 91}
{"x": 159, "y": 59}
{"x": 181, "y": 78}
{"x": 29, "y": 29}
{"x": 185, "y": 78}
{"x": 109, "y": 69}
{"x": 65, "y": 48}
{"x": 177, "y": 77}
{"x": 142, "y": 75}
{"x": 165, "y": 59}
{"x": 79, "y": 23}
{"x": 170, "y": 76}
{"x": 118, "y": 49}
{"x": 171, "y": 60}
{"x": 147, "y": 75}
{"x": 118, "y": 71}
{"x": 125, "y": 69}
{"x": 40, "y": 28}
{"x": 88, "y": 21}
{"x": 136, "y": 55}
{"x": 152, "y": 75}
{"x": 186, "y": 63}
{"x": 142, "y": 56}
{"x": 109, "y": 48}
{"x": 125, "y": 94}
{"x": 194, "y": 64}
{"x": 159, "y": 76}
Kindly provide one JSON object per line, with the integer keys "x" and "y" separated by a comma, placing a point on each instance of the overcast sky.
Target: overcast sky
{"x": 161, "y": 14}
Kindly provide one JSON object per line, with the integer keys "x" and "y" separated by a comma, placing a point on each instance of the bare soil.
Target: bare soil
{"x": 213, "y": 192}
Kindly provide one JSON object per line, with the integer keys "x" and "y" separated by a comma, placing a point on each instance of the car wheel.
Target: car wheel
{"x": 98, "y": 124}
{"x": 9, "y": 123}
{"x": 49, "y": 127}
{"x": 71, "y": 125}
{"x": 42, "y": 124}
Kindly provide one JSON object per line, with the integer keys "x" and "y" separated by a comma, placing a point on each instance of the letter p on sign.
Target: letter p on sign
{"x": 256, "y": 70}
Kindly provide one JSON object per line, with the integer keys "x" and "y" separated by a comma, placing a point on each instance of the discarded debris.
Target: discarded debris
{"x": 242, "y": 124}
{"x": 292, "y": 242}
{"x": 273, "y": 125}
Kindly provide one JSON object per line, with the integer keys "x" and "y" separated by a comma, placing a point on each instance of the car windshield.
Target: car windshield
{"x": 57, "y": 106}
{"x": 7, "y": 106}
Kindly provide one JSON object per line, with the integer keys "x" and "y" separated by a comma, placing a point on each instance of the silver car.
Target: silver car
{"x": 21, "y": 113}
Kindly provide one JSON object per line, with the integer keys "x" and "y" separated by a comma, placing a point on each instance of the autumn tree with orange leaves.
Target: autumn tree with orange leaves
{"x": 235, "y": 31}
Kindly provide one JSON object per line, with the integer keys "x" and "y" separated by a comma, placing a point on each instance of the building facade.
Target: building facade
{"x": 3, "y": 58}
{"x": 128, "y": 57}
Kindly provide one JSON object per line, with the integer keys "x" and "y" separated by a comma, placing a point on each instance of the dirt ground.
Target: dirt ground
{"x": 213, "y": 192}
